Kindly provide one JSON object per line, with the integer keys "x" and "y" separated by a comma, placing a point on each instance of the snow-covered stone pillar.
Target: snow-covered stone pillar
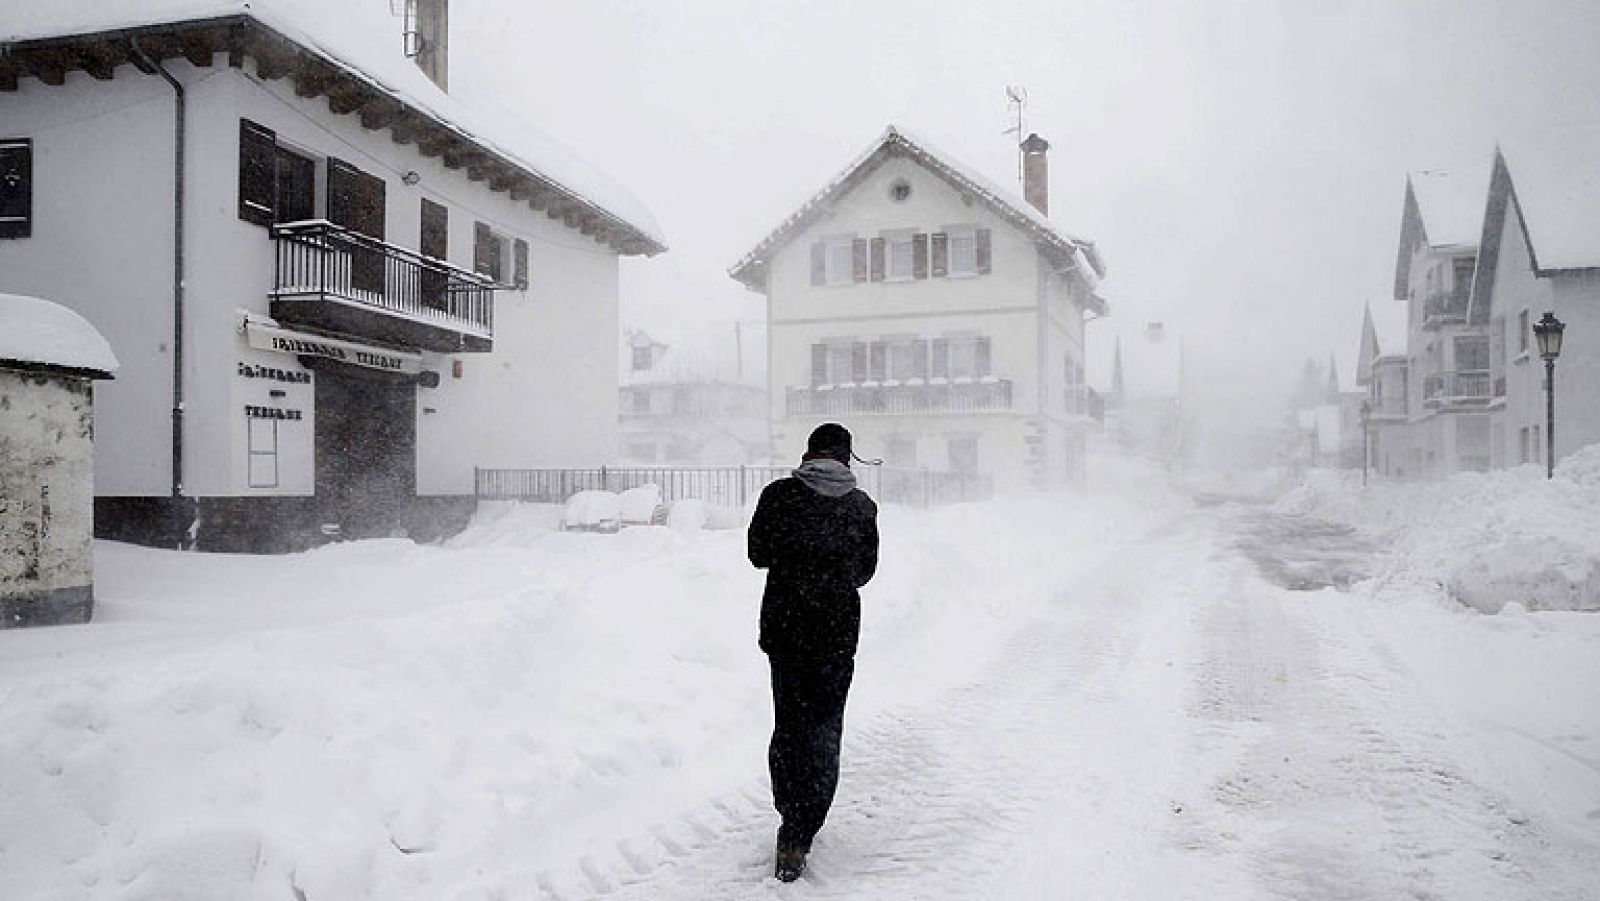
{"x": 49, "y": 359}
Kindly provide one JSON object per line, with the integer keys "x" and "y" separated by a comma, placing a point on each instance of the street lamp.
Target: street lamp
{"x": 1366, "y": 439}
{"x": 1548, "y": 331}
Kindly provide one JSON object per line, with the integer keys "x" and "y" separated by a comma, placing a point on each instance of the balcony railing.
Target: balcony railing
{"x": 330, "y": 276}
{"x": 895, "y": 400}
{"x": 1444, "y": 308}
{"x": 1467, "y": 386}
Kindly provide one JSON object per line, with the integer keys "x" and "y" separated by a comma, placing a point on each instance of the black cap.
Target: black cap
{"x": 830, "y": 440}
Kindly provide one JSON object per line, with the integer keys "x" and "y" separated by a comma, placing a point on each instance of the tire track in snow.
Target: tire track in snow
{"x": 934, "y": 801}
{"x": 1347, "y": 786}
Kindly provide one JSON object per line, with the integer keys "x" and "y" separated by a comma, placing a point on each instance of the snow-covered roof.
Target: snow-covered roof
{"x": 1384, "y": 330}
{"x": 1451, "y": 205}
{"x": 1556, "y": 176}
{"x": 363, "y": 38}
{"x": 750, "y": 269}
{"x": 40, "y": 333}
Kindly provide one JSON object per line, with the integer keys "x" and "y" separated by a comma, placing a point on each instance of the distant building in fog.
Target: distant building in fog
{"x": 690, "y": 405}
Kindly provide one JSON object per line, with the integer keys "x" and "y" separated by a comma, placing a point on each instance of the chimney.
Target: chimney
{"x": 429, "y": 42}
{"x": 1036, "y": 173}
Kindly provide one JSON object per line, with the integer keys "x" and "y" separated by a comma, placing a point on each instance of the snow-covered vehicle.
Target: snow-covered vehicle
{"x": 592, "y": 511}
{"x": 642, "y": 506}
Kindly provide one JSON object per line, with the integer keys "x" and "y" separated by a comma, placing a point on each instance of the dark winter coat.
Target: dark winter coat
{"x": 817, "y": 537}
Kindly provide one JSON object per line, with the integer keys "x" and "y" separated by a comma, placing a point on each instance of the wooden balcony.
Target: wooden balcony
{"x": 958, "y": 398}
{"x": 330, "y": 278}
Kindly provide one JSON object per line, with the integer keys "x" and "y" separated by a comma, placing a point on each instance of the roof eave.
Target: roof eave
{"x": 315, "y": 74}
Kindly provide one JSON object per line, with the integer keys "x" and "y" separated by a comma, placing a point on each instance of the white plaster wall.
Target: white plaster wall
{"x": 46, "y": 482}
{"x": 1002, "y": 304}
{"x": 1577, "y": 303}
{"x": 102, "y": 245}
{"x": 1516, "y": 288}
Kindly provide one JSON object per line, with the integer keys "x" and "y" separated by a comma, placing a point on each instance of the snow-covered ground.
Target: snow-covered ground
{"x": 1088, "y": 697}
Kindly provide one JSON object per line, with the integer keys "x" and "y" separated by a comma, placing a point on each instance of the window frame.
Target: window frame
{"x": 252, "y": 453}
{"x": 959, "y": 236}
{"x": 897, "y": 241}
{"x": 838, "y": 260}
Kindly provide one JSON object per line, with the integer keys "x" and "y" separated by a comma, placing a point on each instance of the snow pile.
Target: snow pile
{"x": 377, "y": 719}
{"x": 38, "y": 331}
{"x": 1492, "y": 539}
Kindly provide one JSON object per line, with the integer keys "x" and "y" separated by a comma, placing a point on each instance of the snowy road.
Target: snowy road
{"x": 1098, "y": 699}
{"x": 1186, "y": 720}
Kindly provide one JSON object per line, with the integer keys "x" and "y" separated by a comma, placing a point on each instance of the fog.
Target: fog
{"x": 1240, "y": 165}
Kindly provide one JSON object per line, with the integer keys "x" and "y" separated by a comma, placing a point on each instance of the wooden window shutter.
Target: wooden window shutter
{"x": 356, "y": 201}
{"x": 484, "y": 250}
{"x": 258, "y": 149}
{"x": 941, "y": 358}
{"x": 919, "y": 255}
{"x": 941, "y": 254}
{"x": 982, "y": 355}
{"x": 819, "y": 364}
{"x": 879, "y": 249}
{"x": 921, "y": 359}
{"x": 16, "y": 188}
{"x": 984, "y": 251}
{"x": 435, "y": 242}
{"x": 858, "y": 362}
{"x": 880, "y": 361}
{"x": 819, "y": 263}
{"x": 858, "y": 259}
{"x": 519, "y": 251}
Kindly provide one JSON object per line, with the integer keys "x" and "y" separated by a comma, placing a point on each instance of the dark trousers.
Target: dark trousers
{"x": 808, "y": 696}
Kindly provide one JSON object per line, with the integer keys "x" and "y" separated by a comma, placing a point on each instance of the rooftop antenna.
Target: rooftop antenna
{"x": 1017, "y": 102}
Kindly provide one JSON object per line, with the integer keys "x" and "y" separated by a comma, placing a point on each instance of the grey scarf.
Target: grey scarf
{"x": 829, "y": 478}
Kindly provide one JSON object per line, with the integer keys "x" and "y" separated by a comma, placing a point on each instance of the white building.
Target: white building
{"x": 1541, "y": 253}
{"x": 691, "y": 402}
{"x": 936, "y": 314}
{"x": 333, "y": 288}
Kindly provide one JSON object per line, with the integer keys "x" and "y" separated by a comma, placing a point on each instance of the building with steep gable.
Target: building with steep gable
{"x": 936, "y": 314}
{"x": 335, "y": 290}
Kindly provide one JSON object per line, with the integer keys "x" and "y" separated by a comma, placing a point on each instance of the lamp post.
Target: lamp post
{"x": 1366, "y": 439}
{"x": 1548, "y": 332}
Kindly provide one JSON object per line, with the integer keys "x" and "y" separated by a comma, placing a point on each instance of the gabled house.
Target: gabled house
{"x": 1448, "y": 386}
{"x": 1541, "y": 252}
{"x": 334, "y": 288}
{"x": 690, "y": 403}
{"x": 935, "y": 313}
{"x": 1382, "y": 370}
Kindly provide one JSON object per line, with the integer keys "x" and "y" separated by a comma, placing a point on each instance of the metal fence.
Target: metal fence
{"x": 724, "y": 485}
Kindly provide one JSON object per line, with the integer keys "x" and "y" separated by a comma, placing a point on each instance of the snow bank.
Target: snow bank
{"x": 38, "y": 331}
{"x": 1491, "y": 539}
{"x": 378, "y": 719}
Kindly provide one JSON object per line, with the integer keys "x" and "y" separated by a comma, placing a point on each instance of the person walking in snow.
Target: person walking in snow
{"x": 816, "y": 535}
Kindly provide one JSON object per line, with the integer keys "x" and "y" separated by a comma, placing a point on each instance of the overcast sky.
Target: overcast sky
{"x": 1240, "y": 164}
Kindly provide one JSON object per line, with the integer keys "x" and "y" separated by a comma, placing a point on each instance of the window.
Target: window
{"x": 901, "y": 255}
{"x": 1524, "y": 330}
{"x": 356, "y": 201}
{"x": 16, "y": 187}
{"x": 1524, "y": 452}
{"x": 963, "y": 250}
{"x": 435, "y": 243}
{"x": 263, "y": 450}
{"x": 519, "y": 262}
{"x": 276, "y": 183}
{"x": 488, "y": 252}
{"x": 899, "y": 190}
{"x": 643, "y": 358}
{"x": 839, "y": 260}
{"x": 963, "y": 453}
{"x": 639, "y": 400}
{"x": 839, "y": 362}
{"x": 1472, "y": 352}
{"x": 969, "y": 356}
{"x": 903, "y": 362}
{"x": 1533, "y": 442}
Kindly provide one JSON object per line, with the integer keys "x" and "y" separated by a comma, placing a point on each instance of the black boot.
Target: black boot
{"x": 791, "y": 861}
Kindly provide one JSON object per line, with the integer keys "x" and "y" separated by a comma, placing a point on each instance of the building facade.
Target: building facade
{"x": 334, "y": 291}
{"x": 937, "y": 315}
{"x": 679, "y": 408}
{"x": 1464, "y": 387}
